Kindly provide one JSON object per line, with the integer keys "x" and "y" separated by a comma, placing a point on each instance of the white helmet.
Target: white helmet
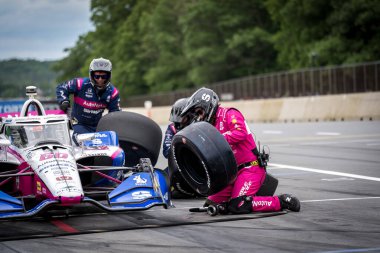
{"x": 100, "y": 64}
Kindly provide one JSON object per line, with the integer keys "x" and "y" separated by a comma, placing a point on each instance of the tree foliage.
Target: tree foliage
{"x": 165, "y": 45}
{"x": 17, "y": 74}
{"x": 323, "y": 32}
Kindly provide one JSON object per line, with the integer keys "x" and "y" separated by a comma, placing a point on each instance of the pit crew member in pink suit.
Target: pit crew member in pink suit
{"x": 238, "y": 197}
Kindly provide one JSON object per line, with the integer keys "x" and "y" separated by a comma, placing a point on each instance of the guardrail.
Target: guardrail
{"x": 354, "y": 78}
{"x": 343, "y": 107}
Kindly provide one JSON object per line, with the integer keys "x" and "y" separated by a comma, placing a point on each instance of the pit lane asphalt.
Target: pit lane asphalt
{"x": 333, "y": 167}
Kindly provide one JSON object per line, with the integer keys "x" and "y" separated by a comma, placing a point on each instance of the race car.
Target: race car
{"x": 42, "y": 169}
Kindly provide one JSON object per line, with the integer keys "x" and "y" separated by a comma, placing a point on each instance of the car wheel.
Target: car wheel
{"x": 139, "y": 136}
{"x": 204, "y": 158}
{"x": 178, "y": 183}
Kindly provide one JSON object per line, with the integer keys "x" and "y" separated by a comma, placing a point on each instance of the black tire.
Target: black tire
{"x": 180, "y": 188}
{"x": 139, "y": 136}
{"x": 204, "y": 158}
{"x": 171, "y": 164}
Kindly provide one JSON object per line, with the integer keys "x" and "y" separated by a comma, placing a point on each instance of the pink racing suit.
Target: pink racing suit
{"x": 231, "y": 123}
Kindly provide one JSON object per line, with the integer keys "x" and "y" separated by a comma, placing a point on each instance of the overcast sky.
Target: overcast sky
{"x": 41, "y": 29}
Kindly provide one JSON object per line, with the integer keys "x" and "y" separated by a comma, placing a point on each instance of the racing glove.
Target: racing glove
{"x": 64, "y": 106}
{"x": 240, "y": 205}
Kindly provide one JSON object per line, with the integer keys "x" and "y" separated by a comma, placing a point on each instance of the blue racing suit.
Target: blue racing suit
{"x": 178, "y": 186}
{"x": 170, "y": 132}
{"x": 89, "y": 103}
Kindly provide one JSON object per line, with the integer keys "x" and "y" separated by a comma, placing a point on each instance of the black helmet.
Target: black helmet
{"x": 205, "y": 99}
{"x": 175, "y": 114}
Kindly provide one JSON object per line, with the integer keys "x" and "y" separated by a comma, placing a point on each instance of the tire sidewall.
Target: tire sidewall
{"x": 204, "y": 158}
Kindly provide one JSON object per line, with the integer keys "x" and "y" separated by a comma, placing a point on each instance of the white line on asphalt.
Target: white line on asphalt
{"x": 321, "y": 143}
{"x": 280, "y": 145}
{"x": 327, "y": 133}
{"x": 272, "y": 132}
{"x": 342, "y": 142}
{"x": 373, "y": 144}
{"x": 329, "y": 172}
{"x": 323, "y": 200}
{"x": 337, "y": 179}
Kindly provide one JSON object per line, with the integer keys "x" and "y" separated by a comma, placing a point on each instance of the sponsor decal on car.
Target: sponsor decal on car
{"x": 61, "y": 178}
{"x": 39, "y": 186}
{"x": 99, "y": 135}
{"x": 94, "y": 154}
{"x": 141, "y": 195}
{"x": 139, "y": 180}
{"x": 56, "y": 155}
{"x": 95, "y": 148}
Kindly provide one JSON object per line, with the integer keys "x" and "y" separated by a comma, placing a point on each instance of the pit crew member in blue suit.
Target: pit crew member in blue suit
{"x": 92, "y": 96}
{"x": 178, "y": 187}
{"x": 176, "y": 125}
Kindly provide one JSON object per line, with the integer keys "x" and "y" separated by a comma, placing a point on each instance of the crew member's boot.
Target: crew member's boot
{"x": 289, "y": 202}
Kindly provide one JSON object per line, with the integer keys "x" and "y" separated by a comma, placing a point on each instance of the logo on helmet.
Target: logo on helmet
{"x": 102, "y": 64}
{"x": 206, "y": 97}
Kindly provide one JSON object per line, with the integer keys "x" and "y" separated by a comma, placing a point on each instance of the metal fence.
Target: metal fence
{"x": 363, "y": 77}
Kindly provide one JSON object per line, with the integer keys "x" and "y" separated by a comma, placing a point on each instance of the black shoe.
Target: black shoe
{"x": 289, "y": 202}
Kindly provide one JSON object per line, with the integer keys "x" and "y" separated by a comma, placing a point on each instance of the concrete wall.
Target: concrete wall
{"x": 358, "y": 106}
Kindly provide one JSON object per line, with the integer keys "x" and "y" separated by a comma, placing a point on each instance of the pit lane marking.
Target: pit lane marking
{"x": 272, "y": 132}
{"x": 352, "y": 250}
{"x": 327, "y": 133}
{"x": 63, "y": 226}
{"x": 337, "y": 179}
{"x": 341, "y": 199}
{"x": 321, "y": 138}
{"x": 328, "y": 172}
{"x": 373, "y": 144}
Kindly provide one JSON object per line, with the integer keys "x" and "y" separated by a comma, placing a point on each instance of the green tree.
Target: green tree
{"x": 163, "y": 45}
{"x": 132, "y": 59}
{"x": 227, "y": 39}
{"x": 164, "y": 39}
{"x": 21, "y": 73}
{"x": 323, "y": 32}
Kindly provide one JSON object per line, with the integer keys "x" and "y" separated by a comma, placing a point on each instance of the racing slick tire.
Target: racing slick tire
{"x": 139, "y": 136}
{"x": 180, "y": 189}
{"x": 204, "y": 158}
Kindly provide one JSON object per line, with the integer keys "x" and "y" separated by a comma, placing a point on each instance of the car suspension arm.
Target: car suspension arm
{"x": 101, "y": 174}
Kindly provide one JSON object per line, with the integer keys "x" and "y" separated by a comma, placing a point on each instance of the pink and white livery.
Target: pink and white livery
{"x": 40, "y": 167}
